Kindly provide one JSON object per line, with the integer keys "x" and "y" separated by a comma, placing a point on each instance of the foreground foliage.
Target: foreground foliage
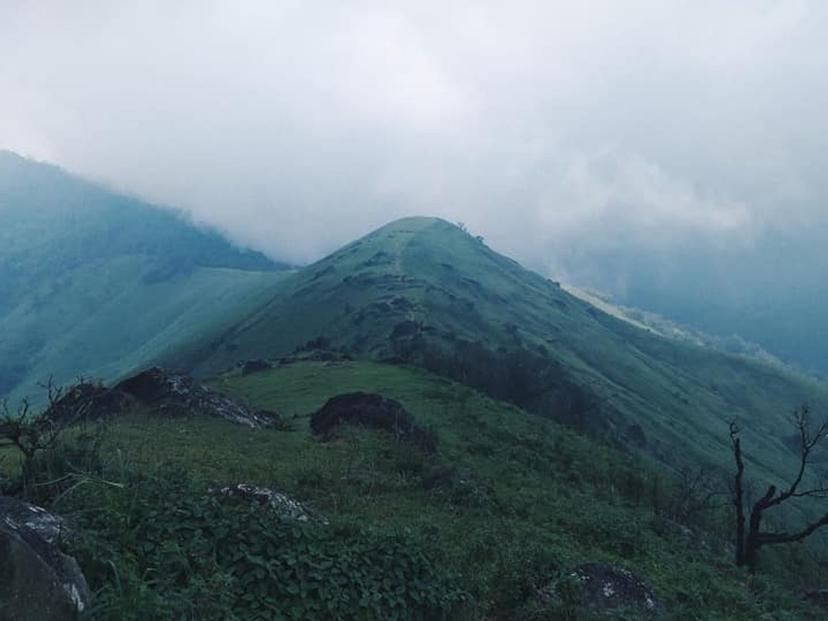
{"x": 488, "y": 527}
{"x": 161, "y": 544}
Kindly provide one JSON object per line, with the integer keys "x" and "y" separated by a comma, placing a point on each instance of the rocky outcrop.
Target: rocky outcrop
{"x": 604, "y": 587}
{"x": 165, "y": 392}
{"x": 174, "y": 393}
{"x": 284, "y": 505}
{"x": 88, "y": 401}
{"x": 248, "y": 367}
{"x": 48, "y": 526}
{"x": 373, "y": 411}
{"x": 37, "y": 581}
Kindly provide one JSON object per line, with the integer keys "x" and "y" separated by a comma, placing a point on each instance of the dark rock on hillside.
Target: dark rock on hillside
{"x": 284, "y": 505}
{"x": 166, "y": 392}
{"x": 605, "y": 587}
{"x": 374, "y": 411}
{"x": 37, "y": 581}
{"x": 254, "y": 366}
{"x": 316, "y": 355}
{"x": 87, "y": 400}
{"x": 176, "y": 393}
{"x": 47, "y": 525}
{"x": 319, "y": 349}
{"x": 817, "y": 597}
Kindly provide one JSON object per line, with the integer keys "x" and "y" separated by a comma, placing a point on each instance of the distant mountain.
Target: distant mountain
{"x": 773, "y": 292}
{"x": 655, "y": 323}
{"x": 423, "y": 291}
{"x": 92, "y": 282}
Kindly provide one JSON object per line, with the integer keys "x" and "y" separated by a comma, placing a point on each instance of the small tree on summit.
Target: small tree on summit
{"x": 749, "y": 540}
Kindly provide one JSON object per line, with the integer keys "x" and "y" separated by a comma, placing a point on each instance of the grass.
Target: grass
{"x": 516, "y": 496}
{"x": 453, "y": 289}
{"x": 95, "y": 283}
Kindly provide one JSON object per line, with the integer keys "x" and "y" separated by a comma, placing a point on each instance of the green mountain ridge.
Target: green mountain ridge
{"x": 96, "y": 283}
{"x": 100, "y": 285}
{"x": 423, "y": 291}
{"x": 486, "y": 356}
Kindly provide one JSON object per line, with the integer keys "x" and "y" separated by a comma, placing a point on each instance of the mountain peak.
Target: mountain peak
{"x": 412, "y": 224}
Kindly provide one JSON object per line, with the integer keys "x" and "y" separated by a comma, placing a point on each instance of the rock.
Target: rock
{"x": 315, "y": 355}
{"x": 176, "y": 392}
{"x": 817, "y": 597}
{"x": 167, "y": 393}
{"x": 284, "y": 505}
{"x": 37, "y": 581}
{"x": 48, "y": 526}
{"x": 604, "y": 587}
{"x": 88, "y": 401}
{"x": 254, "y": 366}
{"x": 374, "y": 411}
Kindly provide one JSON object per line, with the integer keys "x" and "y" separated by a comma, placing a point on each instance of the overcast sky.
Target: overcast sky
{"x": 554, "y": 129}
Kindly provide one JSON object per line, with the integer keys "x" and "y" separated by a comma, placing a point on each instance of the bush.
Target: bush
{"x": 160, "y": 547}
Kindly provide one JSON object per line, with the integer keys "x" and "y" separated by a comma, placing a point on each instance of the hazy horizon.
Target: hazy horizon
{"x": 295, "y": 126}
{"x": 662, "y": 152}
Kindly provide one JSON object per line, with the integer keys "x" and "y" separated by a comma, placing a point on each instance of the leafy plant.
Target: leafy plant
{"x": 171, "y": 549}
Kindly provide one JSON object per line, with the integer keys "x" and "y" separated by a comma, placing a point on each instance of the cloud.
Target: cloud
{"x": 555, "y": 129}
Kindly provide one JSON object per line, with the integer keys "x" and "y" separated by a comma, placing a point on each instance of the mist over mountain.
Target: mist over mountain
{"x": 663, "y": 152}
{"x": 413, "y": 310}
{"x": 773, "y": 293}
{"x": 94, "y": 283}
{"x": 454, "y": 388}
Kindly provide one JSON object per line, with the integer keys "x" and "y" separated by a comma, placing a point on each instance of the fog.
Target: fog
{"x": 564, "y": 133}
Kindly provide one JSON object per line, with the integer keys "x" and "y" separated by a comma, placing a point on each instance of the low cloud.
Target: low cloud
{"x": 558, "y": 130}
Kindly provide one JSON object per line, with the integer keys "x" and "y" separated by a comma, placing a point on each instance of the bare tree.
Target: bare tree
{"x": 33, "y": 432}
{"x": 750, "y": 540}
{"x": 697, "y": 490}
{"x": 27, "y": 431}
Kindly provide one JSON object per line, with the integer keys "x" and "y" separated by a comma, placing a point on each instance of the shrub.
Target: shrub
{"x": 160, "y": 547}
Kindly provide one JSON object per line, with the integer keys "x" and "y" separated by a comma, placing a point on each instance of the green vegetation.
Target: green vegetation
{"x": 99, "y": 284}
{"x": 554, "y": 422}
{"x": 421, "y": 290}
{"x": 488, "y": 527}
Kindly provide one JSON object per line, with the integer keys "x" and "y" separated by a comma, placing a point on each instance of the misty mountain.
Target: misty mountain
{"x": 773, "y": 292}
{"x": 423, "y": 291}
{"x": 95, "y": 283}
{"x": 440, "y": 338}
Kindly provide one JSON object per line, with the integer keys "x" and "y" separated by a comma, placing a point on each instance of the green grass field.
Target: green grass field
{"x": 513, "y": 488}
{"x": 666, "y": 398}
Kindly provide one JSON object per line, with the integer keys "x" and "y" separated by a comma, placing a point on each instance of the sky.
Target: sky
{"x": 563, "y": 132}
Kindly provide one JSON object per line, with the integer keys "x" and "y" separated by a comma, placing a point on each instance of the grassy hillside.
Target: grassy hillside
{"x": 96, "y": 283}
{"x": 503, "y": 511}
{"x": 424, "y": 291}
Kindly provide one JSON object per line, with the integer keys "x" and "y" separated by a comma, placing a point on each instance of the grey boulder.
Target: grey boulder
{"x": 37, "y": 581}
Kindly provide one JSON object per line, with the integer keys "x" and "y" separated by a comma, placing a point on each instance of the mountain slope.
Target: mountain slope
{"x": 772, "y": 291}
{"x": 96, "y": 283}
{"x": 421, "y": 290}
{"x": 504, "y": 510}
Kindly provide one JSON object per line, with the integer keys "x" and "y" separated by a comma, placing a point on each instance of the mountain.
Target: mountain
{"x": 95, "y": 283}
{"x": 772, "y": 291}
{"x": 423, "y": 291}
{"x": 653, "y": 322}
{"x": 100, "y": 284}
{"x": 504, "y": 511}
